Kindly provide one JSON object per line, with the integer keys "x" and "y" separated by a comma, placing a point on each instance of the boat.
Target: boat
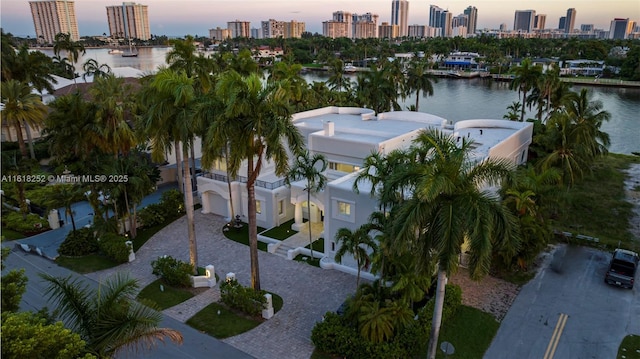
{"x": 115, "y": 51}
{"x": 130, "y": 53}
{"x": 349, "y": 68}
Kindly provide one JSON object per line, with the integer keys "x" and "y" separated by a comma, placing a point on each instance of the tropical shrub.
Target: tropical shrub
{"x": 114, "y": 247}
{"x": 173, "y": 272}
{"x": 173, "y": 201}
{"x": 337, "y": 335}
{"x": 244, "y": 299}
{"x": 33, "y": 223}
{"x": 152, "y": 215}
{"x": 28, "y": 335}
{"x": 13, "y": 286}
{"x": 79, "y": 243}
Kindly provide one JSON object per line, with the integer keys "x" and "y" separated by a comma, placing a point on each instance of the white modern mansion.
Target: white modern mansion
{"x": 346, "y": 136}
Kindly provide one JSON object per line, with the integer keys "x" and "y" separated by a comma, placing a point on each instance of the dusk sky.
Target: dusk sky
{"x": 196, "y": 17}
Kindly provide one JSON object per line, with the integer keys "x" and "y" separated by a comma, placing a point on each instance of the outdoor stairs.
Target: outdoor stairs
{"x": 282, "y": 250}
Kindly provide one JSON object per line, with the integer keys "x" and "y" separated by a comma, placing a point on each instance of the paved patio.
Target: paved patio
{"x": 308, "y": 292}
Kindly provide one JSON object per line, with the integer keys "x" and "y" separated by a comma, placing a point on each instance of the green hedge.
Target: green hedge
{"x": 244, "y": 299}
{"x": 33, "y": 223}
{"x": 171, "y": 205}
{"x": 79, "y": 243}
{"x": 336, "y": 336}
{"x": 113, "y": 246}
{"x": 173, "y": 272}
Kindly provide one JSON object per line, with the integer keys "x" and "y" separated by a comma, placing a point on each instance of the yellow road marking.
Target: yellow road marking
{"x": 555, "y": 338}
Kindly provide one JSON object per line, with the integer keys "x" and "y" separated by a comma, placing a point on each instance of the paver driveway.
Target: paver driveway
{"x": 308, "y": 292}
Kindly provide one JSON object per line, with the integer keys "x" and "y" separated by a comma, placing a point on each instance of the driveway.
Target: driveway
{"x": 568, "y": 312}
{"x": 308, "y": 292}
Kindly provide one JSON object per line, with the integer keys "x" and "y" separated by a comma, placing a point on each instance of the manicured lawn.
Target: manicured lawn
{"x": 470, "y": 331}
{"x": 95, "y": 262}
{"x": 318, "y": 245}
{"x": 596, "y": 206}
{"x": 242, "y": 235}
{"x": 86, "y": 264}
{"x": 10, "y": 235}
{"x": 220, "y": 322}
{"x": 281, "y": 232}
{"x": 166, "y": 298}
{"x": 306, "y": 259}
{"x": 629, "y": 348}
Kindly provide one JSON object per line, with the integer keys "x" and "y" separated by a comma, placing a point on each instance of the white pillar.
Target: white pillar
{"x": 204, "y": 198}
{"x": 267, "y": 312}
{"x": 132, "y": 255}
{"x": 298, "y": 215}
{"x": 54, "y": 219}
{"x": 210, "y": 273}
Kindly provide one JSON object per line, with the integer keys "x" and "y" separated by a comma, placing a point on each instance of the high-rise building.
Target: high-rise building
{"x": 294, "y": 29}
{"x": 540, "y": 22}
{"x": 365, "y": 25}
{"x": 524, "y": 20}
{"x": 335, "y": 29}
{"x": 388, "y": 31}
{"x": 441, "y": 19}
{"x": 620, "y": 28}
{"x": 272, "y": 29}
{"x": 399, "y": 15}
{"x": 587, "y": 27}
{"x": 460, "y": 20}
{"x": 129, "y": 21}
{"x": 239, "y": 28}
{"x": 570, "y": 21}
{"x": 472, "y": 14}
{"x": 53, "y": 17}
{"x": 219, "y": 34}
{"x": 561, "y": 22}
{"x": 417, "y": 31}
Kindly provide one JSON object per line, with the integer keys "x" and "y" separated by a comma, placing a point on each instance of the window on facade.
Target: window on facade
{"x": 344, "y": 208}
{"x": 220, "y": 164}
{"x": 281, "y": 206}
{"x": 258, "y": 207}
{"x": 342, "y": 167}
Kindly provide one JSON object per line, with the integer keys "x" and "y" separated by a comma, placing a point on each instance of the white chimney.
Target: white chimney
{"x": 329, "y": 128}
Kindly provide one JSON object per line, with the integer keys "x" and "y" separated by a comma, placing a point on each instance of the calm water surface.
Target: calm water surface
{"x": 452, "y": 99}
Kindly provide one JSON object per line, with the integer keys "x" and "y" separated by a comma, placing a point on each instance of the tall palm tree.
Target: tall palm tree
{"x": 22, "y": 108}
{"x": 169, "y": 117}
{"x": 336, "y": 71}
{"x": 446, "y": 208}
{"x": 256, "y": 123}
{"x": 526, "y": 76}
{"x": 355, "y": 243}
{"x": 31, "y": 67}
{"x": 64, "y": 42}
{"x": 109, "y": 320}
{"x": 93, "y": 68}
{"x": 418, "y": 79}
{"x": 114, "y": 102}
{"x": 311, "y": 169}
{"x": 588, "y": 116}
{"x": 65, "y": 195}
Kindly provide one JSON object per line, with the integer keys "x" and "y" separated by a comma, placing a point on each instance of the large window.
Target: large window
{"x": 343, "y": 210}
{"x": 258, "y": 207}
{"x": 281, "y": 207}
{"x": 343, "y": 167}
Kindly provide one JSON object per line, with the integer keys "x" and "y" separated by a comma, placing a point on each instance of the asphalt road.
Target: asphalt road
{"x": 196, "y": 345}
{"x": 567, "y": 311}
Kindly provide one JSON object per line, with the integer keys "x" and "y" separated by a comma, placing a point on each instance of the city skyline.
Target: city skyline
{"x": 196, "y": 17}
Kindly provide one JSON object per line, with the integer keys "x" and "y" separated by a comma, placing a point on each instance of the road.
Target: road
{"x": 196, "y": 345}
{"x": 568, "y": 312}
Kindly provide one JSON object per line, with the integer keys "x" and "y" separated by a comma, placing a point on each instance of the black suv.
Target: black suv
{"x": 622, "y": 268}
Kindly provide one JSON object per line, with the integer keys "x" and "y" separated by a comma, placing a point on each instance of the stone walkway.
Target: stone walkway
{"x": 307, "y": 292}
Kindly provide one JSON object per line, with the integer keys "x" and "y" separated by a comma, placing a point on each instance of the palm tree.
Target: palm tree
{"x": 336, "y": 69}
{"x": 109, "y": 320}
{"x": 355, "y": 243}
{"x": 114, "y": 101}
{"x": 30, "y": 67}
{"x": 418, "y": 79}
{"x": 171, "y": 97}
{"x": 21, "y": 108}
{"x": 446, "y": 208}
{"x": 311, "y": 169}
{"x": 65, "y": 195}
{"x": 256, "y": 122}
{"x": 589, "y": 116}
{"x": 526, "y": 76}
{"x": 92, "y": 68}
{"x": 63, "y": 42}
{"x": 376, "y": 89}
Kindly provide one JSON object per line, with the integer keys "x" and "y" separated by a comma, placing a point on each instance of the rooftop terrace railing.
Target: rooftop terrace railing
{"x": 243, "y": 179}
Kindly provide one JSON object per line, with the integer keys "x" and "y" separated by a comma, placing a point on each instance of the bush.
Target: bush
{"x": 14, "y": 284}
{"x": 114, "y": 247}
{"x": 172, "y": 271}
{"x": 79, "y": 243}
{"x": 33, "y": 223}
{"x": 173, "y": 201}
{"x": 335, "y": 336}
{"x": 152, "y": 215}
{"x": 244, "y": 299}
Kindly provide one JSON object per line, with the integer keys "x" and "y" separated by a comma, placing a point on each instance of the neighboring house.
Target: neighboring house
{"x": 582, "y": 68}
{"x": 346, "y": 136}
{"x": 461, "y": 61}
